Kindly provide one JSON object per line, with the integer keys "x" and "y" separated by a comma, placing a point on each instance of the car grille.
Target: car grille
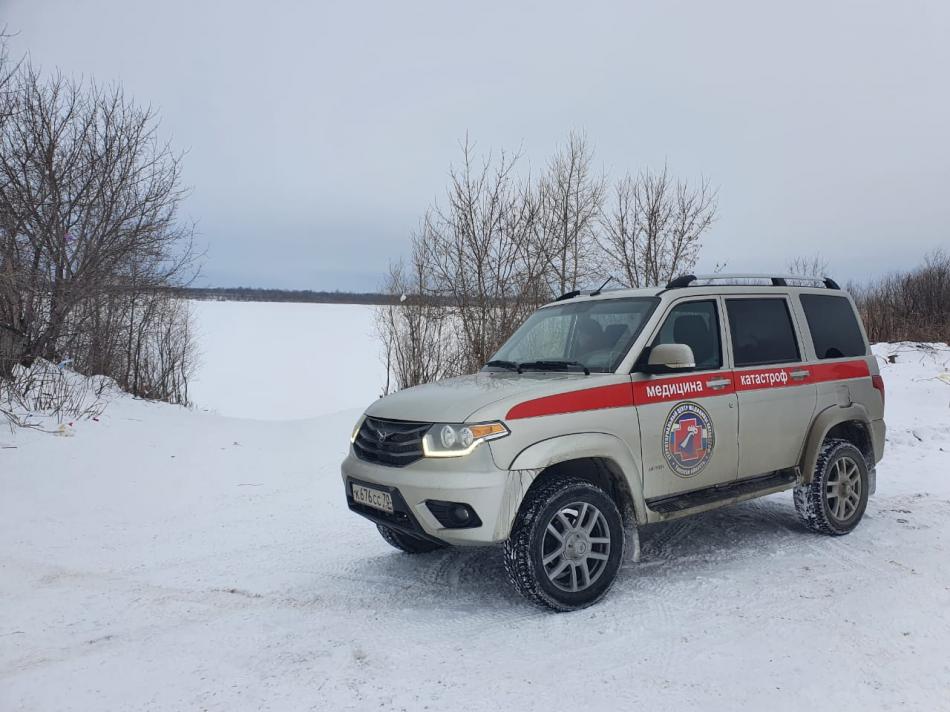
{"x": 394, "y": 443}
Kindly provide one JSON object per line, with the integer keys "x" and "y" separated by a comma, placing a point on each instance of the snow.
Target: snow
{"x": 284, "y": 361}
{"x": 167, "y": 559}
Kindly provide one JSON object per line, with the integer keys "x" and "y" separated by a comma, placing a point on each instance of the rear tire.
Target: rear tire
{"x": 834, "y": 501}
{"x": 566, "y": 545}
{"x": 406, "y": 542}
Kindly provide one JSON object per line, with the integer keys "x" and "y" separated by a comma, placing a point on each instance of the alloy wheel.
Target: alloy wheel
{"x": 575, "y": 547}
{"x": 843, "y": 489}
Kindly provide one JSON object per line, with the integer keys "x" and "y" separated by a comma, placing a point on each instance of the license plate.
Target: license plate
{"x": 377, "y": 499}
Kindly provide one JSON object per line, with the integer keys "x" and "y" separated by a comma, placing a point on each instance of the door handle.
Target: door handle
{"x": 718, "y": 383}
{"x": 799, "y": 375}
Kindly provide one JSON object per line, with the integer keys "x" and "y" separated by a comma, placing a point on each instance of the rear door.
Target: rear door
{"x": 689, "y": 422}
{"x": 776, "y": 395}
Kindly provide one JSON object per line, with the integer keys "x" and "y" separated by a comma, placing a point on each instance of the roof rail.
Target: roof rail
{"x": 689, "y": 280}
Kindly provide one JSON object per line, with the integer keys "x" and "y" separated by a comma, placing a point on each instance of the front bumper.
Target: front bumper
{"x": 473, "y": 480}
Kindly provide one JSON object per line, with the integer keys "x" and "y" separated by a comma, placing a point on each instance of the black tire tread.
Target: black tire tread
{"x": 810, "y": 498}
{"x": 519, "y": 565}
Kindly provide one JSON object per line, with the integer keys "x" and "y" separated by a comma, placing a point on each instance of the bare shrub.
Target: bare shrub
{"x": 652, "y": 228}
{"x": 418, "y": 333}
{"x": 54, "y": 391}
{"x": 90, "y": 237}
{"x": 143, "y": 339}
{"x": 908, "y": 306}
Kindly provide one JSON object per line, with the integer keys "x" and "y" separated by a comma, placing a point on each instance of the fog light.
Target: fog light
{"x": 453, "y": 515}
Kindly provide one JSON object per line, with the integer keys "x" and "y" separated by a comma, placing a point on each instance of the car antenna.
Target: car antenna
{"x": 601, "y": 287}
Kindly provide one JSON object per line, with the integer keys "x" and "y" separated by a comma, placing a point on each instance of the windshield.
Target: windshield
{"x": 594, "y": 335}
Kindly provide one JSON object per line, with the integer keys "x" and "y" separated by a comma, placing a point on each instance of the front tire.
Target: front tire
{"x": 834, "y": 501}
{"x": 406, "y": 542}
{"x": 566, "y": 545}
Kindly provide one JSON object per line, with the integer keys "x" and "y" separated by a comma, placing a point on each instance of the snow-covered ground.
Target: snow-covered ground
{"x": 164, "y": 559}
{"x": 284, "y": 361}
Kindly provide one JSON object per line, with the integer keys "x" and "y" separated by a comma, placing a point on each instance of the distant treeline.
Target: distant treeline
{"x": 908, "y": 306}
{"x": 252, "y": 294}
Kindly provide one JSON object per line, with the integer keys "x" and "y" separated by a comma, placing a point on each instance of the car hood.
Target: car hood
{"x": 454, "y": 400}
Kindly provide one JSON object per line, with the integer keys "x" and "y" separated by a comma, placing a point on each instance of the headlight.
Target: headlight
{"x": 356, "y": 428}
{"x": 457, "y": 439}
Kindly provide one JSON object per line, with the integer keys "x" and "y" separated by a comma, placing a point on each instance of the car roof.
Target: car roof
{"x": 743, "y": 285}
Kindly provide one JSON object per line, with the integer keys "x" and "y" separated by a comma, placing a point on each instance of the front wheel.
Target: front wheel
{"x": 835, "y": 500}
{"x": 566, "y": 545}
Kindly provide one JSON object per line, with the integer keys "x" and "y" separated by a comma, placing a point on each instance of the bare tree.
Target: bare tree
{"x": 89, "y": 226}
{"x": 570, "y": 199}
{"x": 11, "y": 339}
{"x": 653, "y": 227}
{"x": 812, "y": 267}
{"x": 7, "y": 70}
{"x": 501, "y": 245}
{"x": 482, "y": 255}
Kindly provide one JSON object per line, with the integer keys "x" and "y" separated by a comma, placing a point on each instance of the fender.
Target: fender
{"x": 561, "y": 448}
{"x": 825, "y": 421}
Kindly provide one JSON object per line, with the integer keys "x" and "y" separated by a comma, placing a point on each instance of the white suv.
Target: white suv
{"x": 608, "y": 411}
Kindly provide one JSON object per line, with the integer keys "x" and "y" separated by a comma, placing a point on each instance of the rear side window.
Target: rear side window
{"x": 833, "y": 326}
{"x": 761, "y": 331}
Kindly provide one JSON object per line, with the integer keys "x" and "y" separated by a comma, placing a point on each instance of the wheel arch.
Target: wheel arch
{"x": 850, "y": 423}
{"x": 600, "y": 458}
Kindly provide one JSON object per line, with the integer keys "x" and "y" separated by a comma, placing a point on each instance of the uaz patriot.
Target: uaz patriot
{"x": 608, "y": 411}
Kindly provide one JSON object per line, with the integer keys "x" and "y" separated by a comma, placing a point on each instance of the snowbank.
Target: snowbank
{"x": 166, "y": 559}
{"x": 49, "y": 397}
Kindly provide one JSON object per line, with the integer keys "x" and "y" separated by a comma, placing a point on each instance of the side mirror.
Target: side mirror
{"x": 670, "y": 357}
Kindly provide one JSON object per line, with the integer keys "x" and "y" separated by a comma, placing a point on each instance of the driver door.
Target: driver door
{"x": 689, "y": 422}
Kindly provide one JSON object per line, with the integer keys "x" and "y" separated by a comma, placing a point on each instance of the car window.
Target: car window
{"x": 833, "y": 326}
{"x": 761, "y": 332}
{"x": 597, "y": 333}
{"x": 548, "y": 339}
{"x": 695, "y": 324}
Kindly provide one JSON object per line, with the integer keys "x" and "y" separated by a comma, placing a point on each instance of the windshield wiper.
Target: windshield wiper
{"x": 553, "y": 366}
{"x": 508, "y": 365}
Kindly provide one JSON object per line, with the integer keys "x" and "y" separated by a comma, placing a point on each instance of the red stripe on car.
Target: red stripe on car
{"x": 683, "y": 388}
{"x": 624, "y": 395}
{"x": 619, "y": 395}
{"x": 755, "y": 379}
{"x": 839, "y": 371}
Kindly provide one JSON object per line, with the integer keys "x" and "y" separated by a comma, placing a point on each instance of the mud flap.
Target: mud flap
{"x": 519, "y": 481}
{"x": 632, "y": 540}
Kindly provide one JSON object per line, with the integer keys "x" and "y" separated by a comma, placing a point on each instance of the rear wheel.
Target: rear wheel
{"x": 835, "y": 500}
{"x": 406, "y": 542}
{"x": 566, "y": 545}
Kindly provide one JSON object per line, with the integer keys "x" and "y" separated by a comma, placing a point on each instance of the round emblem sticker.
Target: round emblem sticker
{"x": 688, "y": 439}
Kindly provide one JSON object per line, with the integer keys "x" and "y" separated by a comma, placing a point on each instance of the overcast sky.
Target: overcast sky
{"x": 318, "y": 132}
